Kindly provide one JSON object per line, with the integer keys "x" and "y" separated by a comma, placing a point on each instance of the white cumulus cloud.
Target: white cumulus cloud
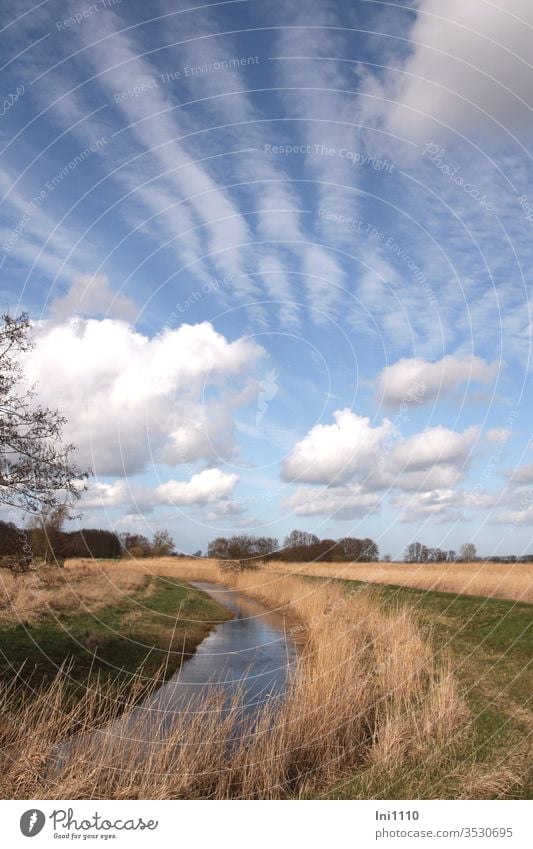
{"x": 469, "y": 68}
{"x": 335, "y": 453}
{"x": 206, "y": 487}
{"x": 416, "y": 381}
{"x": 341, "y": 502}
{"x": 131, "y": 400}
{"x": 356, "y": 464}
{"x": 432, "y": 446}
{"x": 202, "y": 488}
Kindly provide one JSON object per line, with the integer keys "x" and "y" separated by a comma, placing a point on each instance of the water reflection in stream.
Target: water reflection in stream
{"x": 250, "y": 652}
{"x": 250, "y": 657}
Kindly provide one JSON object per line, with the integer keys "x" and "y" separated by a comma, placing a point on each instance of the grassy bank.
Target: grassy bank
{"x": 487, "y": 643}
{"x": 148, "y": 624}
{"x": 490, "y": 643}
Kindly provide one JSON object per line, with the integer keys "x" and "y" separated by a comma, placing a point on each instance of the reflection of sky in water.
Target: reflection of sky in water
{"x": 250, "y": 651}
{"x": 250, "y": 656}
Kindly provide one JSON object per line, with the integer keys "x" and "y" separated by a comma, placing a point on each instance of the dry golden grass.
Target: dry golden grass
{"x": 496, "y": 580}
{"x": 367, "y": 693}
{"x": 82, "y": 585}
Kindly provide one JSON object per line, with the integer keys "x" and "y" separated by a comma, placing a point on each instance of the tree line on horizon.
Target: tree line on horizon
{"x": 297, "y": 546}
{"x": 416, "y": 552}
{"x": 45, "y": 540}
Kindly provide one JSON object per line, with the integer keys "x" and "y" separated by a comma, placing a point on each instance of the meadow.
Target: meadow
{"x": 479, "y": 578}
{"x": 106, "y": 622}
{"x": 398, "y": 693}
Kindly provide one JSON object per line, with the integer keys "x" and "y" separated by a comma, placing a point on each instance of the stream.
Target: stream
{"x": 250, "y": 656}
{"x": 250, "y": 652}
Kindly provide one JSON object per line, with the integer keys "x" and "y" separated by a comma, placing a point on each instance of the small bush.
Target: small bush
{"x": 238, "y": 565}
{"x": 14, "y": 564}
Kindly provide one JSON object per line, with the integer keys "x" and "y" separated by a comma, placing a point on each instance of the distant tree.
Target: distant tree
{"x": 413, "y": 552}
{"x": 370, "y": 550}
{"x": 11, "y": 540}
{"x": 416, "y": 552}
{"x": 92, "y": 542}
{"x": 436, "y": 555}
{"x": 325, "y": 550}
{"x": 299, "y": 538}
{"x": 8, "y": 538}
{"x": 245, "y": 550}
{"x": 36, "y": 473}
{"x": 46, "y": 534}
{"x": 358, "y": 549}
{"x": 352, "y": 548}
{"x": 467, "y": 552}
{"x": 162, "y": 544}
{"x": 313, "y": 549}
{"x": 198, "y": 553}
{"x": 221, "y": 548}
{"x": 265, "y": 547}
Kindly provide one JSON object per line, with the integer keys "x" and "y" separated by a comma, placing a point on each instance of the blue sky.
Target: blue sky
{"x": 278, "y": 258}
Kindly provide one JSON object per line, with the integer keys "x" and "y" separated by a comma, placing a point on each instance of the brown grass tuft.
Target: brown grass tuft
{"x": 84, "y": 584}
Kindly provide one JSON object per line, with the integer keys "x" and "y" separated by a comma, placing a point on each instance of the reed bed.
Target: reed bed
{"x": 493, "y": 580}
{"x": 84, "y": 584}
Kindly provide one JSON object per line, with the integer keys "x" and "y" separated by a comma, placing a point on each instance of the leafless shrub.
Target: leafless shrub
{"x": 238, "y": 565}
